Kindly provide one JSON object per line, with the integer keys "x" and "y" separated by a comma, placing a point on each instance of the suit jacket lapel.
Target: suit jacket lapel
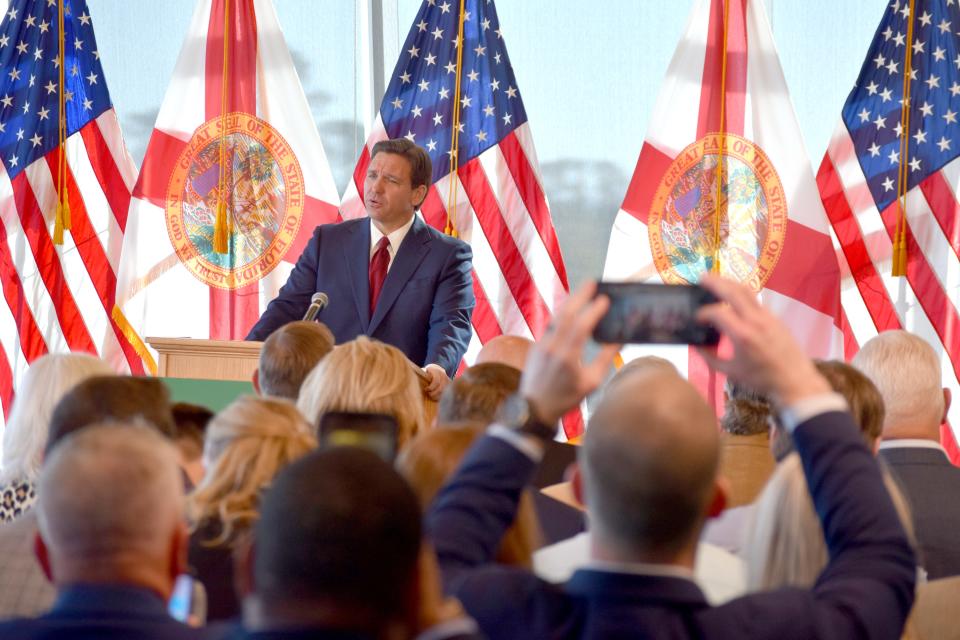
{"x": 409, "y": 256}
{"x": 356, "y": 253}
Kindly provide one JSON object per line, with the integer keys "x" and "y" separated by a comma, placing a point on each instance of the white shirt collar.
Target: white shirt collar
{"x": 911, "y": 443}
{"x": 396, "y": 238}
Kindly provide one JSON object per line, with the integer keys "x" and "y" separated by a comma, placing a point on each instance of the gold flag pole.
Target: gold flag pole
{"x": 221, "y": 226}
{"x": 451, "y": 228}
{"x": 718, "y": 213}
{"x": 899, "y": 266}
{"x": 62, "y": 220}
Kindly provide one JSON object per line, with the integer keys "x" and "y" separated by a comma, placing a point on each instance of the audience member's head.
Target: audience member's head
{"x": 348, "y": 559}
{"x": 365, "y": 376}
{"x": 649, "y": 468}
{"x": 643, "y": 364}
{"x": 44, "y": 384}
{"x": 906, "y": 371}
{"x": 190, "y": 424}
{"x": 746, "y": 413}
{"x": 784, "y": 543}
{"x": 110, "y": 509}
{"x": 289, "y": 355}
{"x": 510, "y": 350}
{"x": 475, "y": 396}
{"x": 106, "y": 398}
{"x": 246, "y": 444}
{"x": 430, "y": 460}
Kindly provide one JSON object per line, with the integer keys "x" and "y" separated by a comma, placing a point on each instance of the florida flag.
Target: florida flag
{"x": 234, "y": 181}
{"x": 723, "y": 183}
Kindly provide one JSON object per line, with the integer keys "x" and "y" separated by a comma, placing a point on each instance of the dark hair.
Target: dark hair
{"x": 190, "y": 420}
{"x": 421, "y": 169}
{"x": 109, "y": 398}
{"x": 341, "y": 527}
{"x": 746, "y": 412}
{"x": 290, "y": 354}
{"x": 477, "y": 394}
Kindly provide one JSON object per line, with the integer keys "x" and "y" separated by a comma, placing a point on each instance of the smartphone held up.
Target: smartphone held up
{"x": 646, "y": 313}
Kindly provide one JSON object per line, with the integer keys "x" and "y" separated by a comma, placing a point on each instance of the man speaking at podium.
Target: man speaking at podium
{"x": 389, "y": 276}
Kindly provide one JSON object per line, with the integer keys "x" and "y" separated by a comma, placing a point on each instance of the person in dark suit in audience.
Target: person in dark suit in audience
{"x": 289, "y": 355}
{"x": 906, "y": 370}
{"x": 390, "y": 276}
{"x": 112, "y": 537}
{"x": 648, "y": 477}
{"x": 338, "y": 554}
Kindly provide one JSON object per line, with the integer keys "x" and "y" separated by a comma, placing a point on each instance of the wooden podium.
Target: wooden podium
{"x": 206, "y": 359}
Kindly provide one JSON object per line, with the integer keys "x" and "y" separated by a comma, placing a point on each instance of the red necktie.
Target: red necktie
{"x": 378, "y": 270}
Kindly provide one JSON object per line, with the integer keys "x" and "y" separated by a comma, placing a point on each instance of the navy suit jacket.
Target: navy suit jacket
{"x": 932, "y": 485}
{"x": 98, "y": 612}
{"x": 865, "y": 591}
{"x": 424, "y": 307}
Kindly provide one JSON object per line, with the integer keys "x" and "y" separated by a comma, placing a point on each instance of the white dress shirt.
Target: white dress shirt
{"x": 396, "y": 237}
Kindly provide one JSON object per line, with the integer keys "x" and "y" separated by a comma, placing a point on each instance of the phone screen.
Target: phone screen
{"x": 645, "y": 313}
{"x": 374, "y": 431}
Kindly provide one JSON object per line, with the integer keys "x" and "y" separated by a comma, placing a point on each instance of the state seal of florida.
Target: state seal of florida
{"x": 686, "y": 233}
{"x": 262, "y": 183}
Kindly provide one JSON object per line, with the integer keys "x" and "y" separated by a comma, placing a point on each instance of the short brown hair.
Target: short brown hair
{"x": 421, "y": 169}
{"x": 477, "y": 394}
{"x": 747, "y": 412}
{"x": 290, "y": 354}
{"x": 112, "y": 398}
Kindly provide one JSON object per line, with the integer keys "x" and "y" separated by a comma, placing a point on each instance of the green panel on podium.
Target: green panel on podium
{"x": 213, "y": 394}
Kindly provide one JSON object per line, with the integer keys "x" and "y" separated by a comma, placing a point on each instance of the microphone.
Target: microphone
{"x": 317, "y": 303}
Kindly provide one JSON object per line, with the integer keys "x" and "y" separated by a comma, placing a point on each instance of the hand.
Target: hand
{"x": 434, "y": 608}
{"x": 554, "y": 379}
{"x": 438, "y": 381}
{"x": 765, "y": 356}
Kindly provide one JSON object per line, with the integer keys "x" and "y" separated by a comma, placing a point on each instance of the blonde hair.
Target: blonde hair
{"x": 431, "y": 459}
{"x": 784, "y": 545}
{"x": 368, "y": 376}
{"x": 48, "y": 379}
{"x": 245, "y": 445}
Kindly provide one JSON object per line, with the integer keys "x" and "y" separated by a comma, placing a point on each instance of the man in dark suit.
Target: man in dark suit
{"x": 649, "y": 479}
{"x": 906, "y": 370}
{"x": 391, "y": 277}
{"x": 112, "y": 537}
{"x": 338, "y": 553}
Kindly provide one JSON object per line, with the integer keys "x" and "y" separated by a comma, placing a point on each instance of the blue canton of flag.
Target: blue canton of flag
{"x": 29, "y": 84}
{"x": 872, "y": 113}
{"x": 418, "y": 104}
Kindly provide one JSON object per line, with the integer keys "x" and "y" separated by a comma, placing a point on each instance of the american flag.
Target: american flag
{"x": 497, "y": 198}
{"x": 58, "y": 297}
{"x": 858, "y": 181}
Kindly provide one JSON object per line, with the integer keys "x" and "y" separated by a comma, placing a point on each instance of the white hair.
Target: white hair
{"x": 906, "y": 370}
{"x": 48, "y": 379}
{"x": 110, "y": 489}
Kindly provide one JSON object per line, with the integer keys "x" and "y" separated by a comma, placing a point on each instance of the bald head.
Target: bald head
{"x": 906, "y": 371}
{"x": 110, "y": 504}
{"x": 511, "y": 350}
{"x": 649, "y": 461}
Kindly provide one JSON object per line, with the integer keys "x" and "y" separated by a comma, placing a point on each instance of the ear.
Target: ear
{"x": 721, "y": 489}
{"x": 418, "y": 196}
{"x": 947, "y": 399}
{"x": 575, "y": 476}
{"x": 43, "y": 555}
{"x": 243, "y": 556}
{"x": 256, "y": 381}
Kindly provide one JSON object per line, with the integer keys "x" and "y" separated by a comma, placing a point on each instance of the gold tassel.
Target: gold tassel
{"x": 899, "y": 267}
{"x": 220, "y": 227}
{"x": 58, "y": 226}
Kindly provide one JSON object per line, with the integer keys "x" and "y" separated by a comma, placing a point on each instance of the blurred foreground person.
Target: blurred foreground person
{"x": 648, "y": 478}
{"x": 112, "y": 537}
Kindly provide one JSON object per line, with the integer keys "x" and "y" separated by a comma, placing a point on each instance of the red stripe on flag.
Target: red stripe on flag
{"x": 712, "y": 84}
{"x": 944, "y": 205}
{"x": 94, "y": 258}
{"x": 360, "y": 171}
{"x": 807, "y": 270}
{"x": 158, "y": 163}
{"x": 6, "y": 385}
{"x": 862, "y": 268}
{"x": 107, "y": 172}
{"x": 31, "y": 340}
{"x": 315, "y": 213}
{"x": 948, "y": 442}
{"x": 232, "y": 313}
{"x": 572, "y": 423}
{"x": 850, "y": 346}
{"x": 534, "y": 200}
{"x": 48, "y": 264}
{"x": 518, "y": 278}
{"x": 651, "y": 165}
{"x": 923, "y": 280}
